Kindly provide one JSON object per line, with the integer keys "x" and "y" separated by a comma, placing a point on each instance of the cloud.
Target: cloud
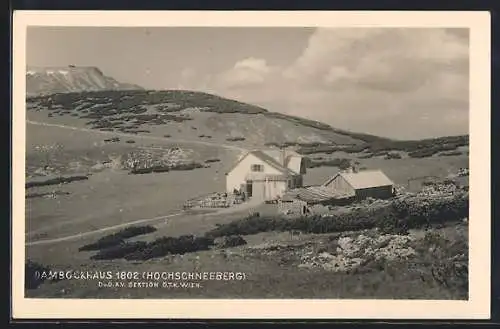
{"x": 396, "y": 60}
{"x": 397, "y": 82}
{"x": 247, "y": 73}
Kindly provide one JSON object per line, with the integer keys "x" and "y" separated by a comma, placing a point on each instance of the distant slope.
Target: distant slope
{"x": 50, "y": 80}
{"x": 201, "y": 116}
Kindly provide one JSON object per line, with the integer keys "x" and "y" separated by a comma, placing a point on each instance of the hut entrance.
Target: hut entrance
{"x": 249, "y": 188}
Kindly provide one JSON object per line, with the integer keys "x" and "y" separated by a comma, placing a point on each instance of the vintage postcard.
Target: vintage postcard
{"x": 251, "y": 165}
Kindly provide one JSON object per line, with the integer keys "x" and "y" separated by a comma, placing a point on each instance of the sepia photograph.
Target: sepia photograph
{"x": 244, "y": 162}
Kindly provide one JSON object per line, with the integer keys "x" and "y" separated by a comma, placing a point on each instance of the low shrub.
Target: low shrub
{"x": 115, "y": 246}
{"x": 393, "y": 155}
{"x": 328, "y": 149}
{"x": 397, "y": 217}
{"x": 235, "y": 139}
{"x": 212, "y": 160}
{"x": 446, "y": 262}
{"x": 103, "y": 243}
{"x": 187, "y": 166}
{"x": 118, "y": 238}
{"x": 56, "y": 181}
{"x": 158, "y": 169}
{"x": 139, "y": 171}
{"x": 230, "y": 241}
{"x": 130, "y": 141}
{"x": 338, "y": 162}
{"x": 166, "y": 168}
{"x": 451, "y": 153}
{"x": 119, "y": 251}
{"x": 422, "y": 153}
{"x": 112, "y": 140}
{"x": 32, "y": 277}
{"x": 133, "y": 231}
{"x": 170, "y": 245}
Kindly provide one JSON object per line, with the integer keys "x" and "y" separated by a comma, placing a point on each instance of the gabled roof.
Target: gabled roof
{"x": 271, "y": 157}
{"x": 314, "y": 194}
{"x": 364, "y": 179}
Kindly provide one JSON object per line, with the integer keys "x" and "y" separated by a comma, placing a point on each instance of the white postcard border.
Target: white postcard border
{"x": 478, "y": 305}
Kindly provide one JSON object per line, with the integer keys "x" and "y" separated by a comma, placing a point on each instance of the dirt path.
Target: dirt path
{"x": 184, "y": 141}
{"x": 104, "y": 229}
{"x": 239, "y": 208}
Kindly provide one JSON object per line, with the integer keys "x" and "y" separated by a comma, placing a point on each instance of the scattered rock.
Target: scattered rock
{"x": 352, "y": 252}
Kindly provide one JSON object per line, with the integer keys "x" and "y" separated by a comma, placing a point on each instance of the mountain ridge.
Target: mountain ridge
{"x": 59, "y": 79}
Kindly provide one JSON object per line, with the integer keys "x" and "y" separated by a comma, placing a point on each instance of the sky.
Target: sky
{"x": 404, "y": 83}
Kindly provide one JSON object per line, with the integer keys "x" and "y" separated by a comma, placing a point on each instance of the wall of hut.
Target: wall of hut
{"x": 340, "y": 185}
{"x": 237, "y": 176}
{"x": 379, "y": 192}
{"x": 294, "y": 206}
{"x": 336, "y": 201}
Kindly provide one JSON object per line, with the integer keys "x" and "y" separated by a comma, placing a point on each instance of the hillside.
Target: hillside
{"x": 50, "y": 80}
{"x": 202, "y": 116}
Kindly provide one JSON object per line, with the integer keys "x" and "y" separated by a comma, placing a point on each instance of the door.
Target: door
{"x": 249, "y": 188}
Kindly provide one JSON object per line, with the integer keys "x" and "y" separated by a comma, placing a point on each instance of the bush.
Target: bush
{"x": 133, "y": 231}
{"x": 235, "y": 139}
{"x": 425, "y": 153}
{"x": 230, "y": 241}
{"x": 212, "y": 160}
{"x": 170, "y": 245}
{"x": 141, "y": 250}
{"x": 158, "y": 169}
{"x": 390, "y": 222}
{"x": 119, "y": 251}
{"x": 32, "y": 279}
{"x": 112, "y": 140}
{"x": 446, "y": 260}
{"x": 340, "y": 163}
{"x": 166, "y": 168}
{"x": 56, "y": 181}
{"x": 393, "y": 155}
{"x": 397, "y": 217}
{"x": 118, "y": 238}
{"x": 103, "y": 243}
{"x": 328, "y": 149}
{"x": 130, "y": 141}
{"x": 451, "y": 153}
{"x": 139, "y": 171}
{"x": 187, "y": 166}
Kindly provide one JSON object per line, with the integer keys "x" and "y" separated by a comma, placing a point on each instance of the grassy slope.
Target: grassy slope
{"x": 152, "y": 195}
{"x": 265, "y": 276}
{"x": 215, "y": 119}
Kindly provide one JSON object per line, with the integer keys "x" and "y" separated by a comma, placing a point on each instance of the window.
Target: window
{"x": 257, "y": 167}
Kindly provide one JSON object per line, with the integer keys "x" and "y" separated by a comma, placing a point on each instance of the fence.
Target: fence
{"x": 213, "y": 200}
